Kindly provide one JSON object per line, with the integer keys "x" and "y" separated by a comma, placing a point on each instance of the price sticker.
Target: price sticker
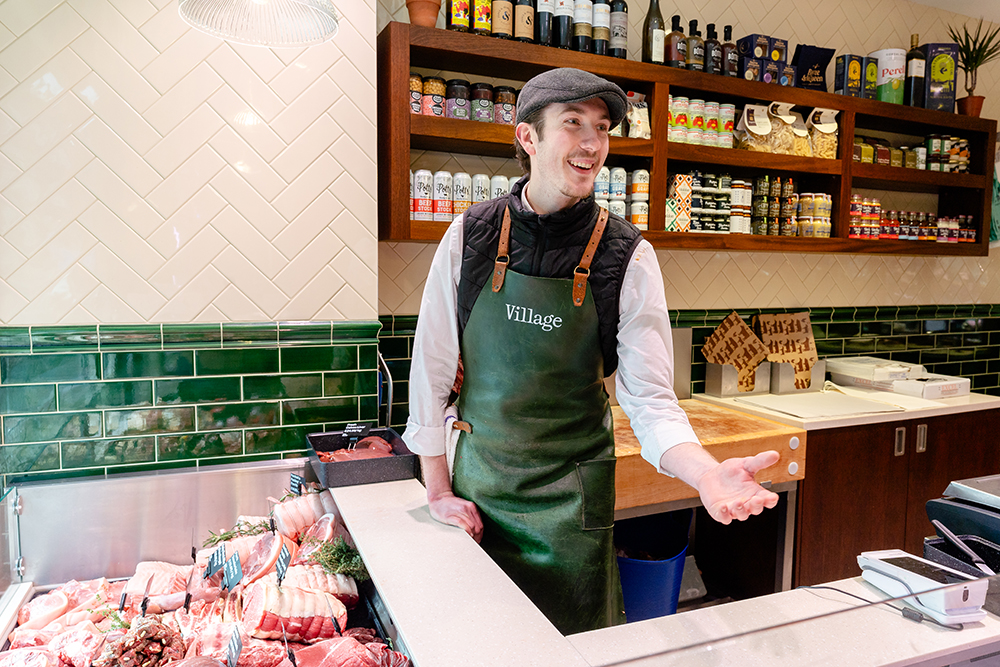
{"x": 235, "y": 646}
{"x": 295, "y": 485}
{"x": 354, "y": 432}
{"x": 216, "y": 561}
{"x": 232, "y": 573}
{"x": 282, "y": 565}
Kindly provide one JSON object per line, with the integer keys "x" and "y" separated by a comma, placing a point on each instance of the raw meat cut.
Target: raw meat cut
{"x": 79, "y": 645}
{"x": 338, "y": 652}
{"x": 42, "y": 610}
{"x": 213, "y": 642}
{"x": 315, "y": 578}
{"x": 29, "y": 657}
{"x": 21, "y": 638}
{"x": 294, "y": 515}
{"x": 386, "y": 657}
{"x": 305, "y": 615}
{"x": 198, "y": 662}
{"x": 319, "y": 533}
{"x": 372, "y": 447}
{"x": 148, "y": 643}
{"x": 264, "y": 556}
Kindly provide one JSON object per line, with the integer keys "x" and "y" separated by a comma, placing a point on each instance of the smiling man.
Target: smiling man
{"x": 545, "y": 295}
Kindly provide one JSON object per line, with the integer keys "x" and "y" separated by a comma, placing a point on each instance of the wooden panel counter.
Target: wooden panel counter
{"x": 725, "y": 434}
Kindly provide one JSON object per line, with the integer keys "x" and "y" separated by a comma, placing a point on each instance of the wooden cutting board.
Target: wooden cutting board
{"x": 724, "y": 433}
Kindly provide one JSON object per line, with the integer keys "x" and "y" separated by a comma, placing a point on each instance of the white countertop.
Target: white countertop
{"x": 948, "y": 406}
{"x": 453, "y": 607}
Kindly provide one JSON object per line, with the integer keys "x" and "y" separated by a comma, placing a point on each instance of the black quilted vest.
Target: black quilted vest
{"x": 549, "y": 246}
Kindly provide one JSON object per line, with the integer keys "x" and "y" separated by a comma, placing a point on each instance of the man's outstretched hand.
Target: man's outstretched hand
{"x": 728, "y": 491}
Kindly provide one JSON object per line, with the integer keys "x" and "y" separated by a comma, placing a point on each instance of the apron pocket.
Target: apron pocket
{"x": 597, "y": 482}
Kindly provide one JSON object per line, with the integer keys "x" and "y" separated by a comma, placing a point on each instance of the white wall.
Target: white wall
{"x": 150, "y": 173}
{"x": 706, "y": 279}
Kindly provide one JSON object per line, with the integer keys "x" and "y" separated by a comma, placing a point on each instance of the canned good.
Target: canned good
{"x": 461, "y": 192}
{"x": 789, "y": 206}
{"x": 721, "y": 223}
{"x": 696, "y": 200}
{"x": 640, "y": 185}
{"x": 616, "y": 207}
{"x": 694, "y": 136}
{"x": 411, "y": 194}
{"x": 775, "y": 189}
{"x": 774, "y": 207}
{"x": 724, "y": 139}
{"x": 423, "y": 189}
{"x": 760, "y": 205}
{"x": 602, "y": 184}
{"x": 710, "y": 182}
{"x": 934, "y": 145}
{"x": 499, "y": 186}
{"x": 787, "y": 227}
{"x": 442, "y": 197}
{"x": 679, "y": 116}
{"x": 727, "y": 118}
{"x": 788, "y": 187}
{"x": 696, "y": 182}
{"x": 696, "y": 114}
{"x": 603, "y": 203}
{"x": 619, "y": 177}
{"x": 711, "y": 116}
{"x": 639, "y": 214}
{"x": 677, "y": 135}
{"x": 481, "y": 188}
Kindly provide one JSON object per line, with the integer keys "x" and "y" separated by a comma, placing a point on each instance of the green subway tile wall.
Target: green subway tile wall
{"x": 962, "y": 340}
{"x": 92, "y": 400}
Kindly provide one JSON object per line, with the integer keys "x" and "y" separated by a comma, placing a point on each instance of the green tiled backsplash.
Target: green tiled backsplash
{"x": 962, "y": 340}
{"x": 90, "y": 400}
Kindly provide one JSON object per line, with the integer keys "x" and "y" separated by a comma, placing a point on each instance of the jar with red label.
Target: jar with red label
{"x": 432, "y": 102}
{"x": 504, "y": 100}
{"x": 457, "y": 103}
{"x": 416, "y": 93}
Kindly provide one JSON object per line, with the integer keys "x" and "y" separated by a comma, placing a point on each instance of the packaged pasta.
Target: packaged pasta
{"x": 782, "y": 136}
{"x": 638, "y": 121}
{"x": 800, "y": 137}
{"x": 754, "y": 129}
{"x": 822, "y": 126}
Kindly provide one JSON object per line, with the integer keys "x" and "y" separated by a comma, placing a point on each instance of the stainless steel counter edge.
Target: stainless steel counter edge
{"x": 950, "y": 406}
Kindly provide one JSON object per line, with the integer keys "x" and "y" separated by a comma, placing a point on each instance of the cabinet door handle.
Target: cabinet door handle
{"x": 900, "y": 441}
{"x": 921, "y": 438}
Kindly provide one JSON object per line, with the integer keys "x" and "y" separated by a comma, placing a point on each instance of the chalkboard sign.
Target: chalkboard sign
{"x": 233, "y": 572}
{"x": 295, "y": 485}
{"x": 282, "y": 565}
{"x": 354, "y": 432}
{"x": 215, "y": 561}
{"x": 235, "y": 646}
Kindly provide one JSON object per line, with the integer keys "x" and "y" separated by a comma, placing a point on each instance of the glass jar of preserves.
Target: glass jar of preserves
{"x": 807, "y": 204}
{"x": 416, "y": 93}
{"x": 432, "y": 103}
{"x": 457, "y": 102}
{"x": 504, "y": 100}
{"x": 482, "y": 102}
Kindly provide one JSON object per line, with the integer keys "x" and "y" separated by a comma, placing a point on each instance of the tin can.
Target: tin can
{"x": 727, "y": 118}
{"x": 696, "y": 114}
{"x": 442, "y": 197}
{"x": 499, "y": 186}
{"x": 639, "y": 214}
{"x": 603, "y": 203}
{"x": 461, "y": 192}
{"x": 694, "y": 136}
{"x": 640, "y": 186}
{"x": 411, "y": 195}
{"x": 921, "y": 152}
{"x": 724, "y": 140}
{"x": 423, "y": 189}
{"x": 677, "y": 135}
{"x": 618, "y": 179}
{"x": 711, "y": 116}
{"x": 696, "y": 200}
{"x": 480, "y": 188}
{"x": 679, "y": 115}
{"x": 934, "y": 145}
{"x": 616, "y": 207}
{"x": 602, "y": 184}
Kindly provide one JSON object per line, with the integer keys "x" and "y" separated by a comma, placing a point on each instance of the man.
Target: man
{"x": 544, "y": 294}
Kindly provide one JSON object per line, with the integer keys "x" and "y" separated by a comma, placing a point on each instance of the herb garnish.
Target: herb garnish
{"x": 242, "y": 529}
{"x": 338, "y": 557}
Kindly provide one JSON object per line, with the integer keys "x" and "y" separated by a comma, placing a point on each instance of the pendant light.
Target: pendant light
{"x": 274, "y": 23}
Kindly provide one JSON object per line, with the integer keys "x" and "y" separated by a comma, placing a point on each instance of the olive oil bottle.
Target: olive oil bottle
{"x": 618, "y": 46}
{"x": 676, "y": 43}
{"x": 695, "y": 48}
{"x": 916, "y": 64}
{"x": 653, "y": 34}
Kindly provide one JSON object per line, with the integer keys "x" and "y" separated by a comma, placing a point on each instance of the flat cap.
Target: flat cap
{"x": 568, "y": 85}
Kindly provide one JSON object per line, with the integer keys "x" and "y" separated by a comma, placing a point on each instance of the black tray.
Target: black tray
{"x": 940, "y": 550}
{"x": 403, "y": 465}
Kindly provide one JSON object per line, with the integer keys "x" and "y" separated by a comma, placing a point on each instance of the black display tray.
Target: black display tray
{"x": 404, "y": 464}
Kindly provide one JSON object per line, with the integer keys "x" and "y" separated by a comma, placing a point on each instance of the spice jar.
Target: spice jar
{"x": 503, "y": 105}
{"x": 416, "y": 92}
{"x": 482, "y": 102}
{"x": 432, "y": 103}
{"x": 456, "y": 103}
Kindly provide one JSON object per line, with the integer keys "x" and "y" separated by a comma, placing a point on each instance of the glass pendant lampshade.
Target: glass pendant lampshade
{"x": 263, "y": 22}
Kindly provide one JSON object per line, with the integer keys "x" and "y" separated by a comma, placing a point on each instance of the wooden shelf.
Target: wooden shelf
{"x": 402, "y": 47}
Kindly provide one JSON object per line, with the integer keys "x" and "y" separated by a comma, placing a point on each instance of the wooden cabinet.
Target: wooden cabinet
{"x": 867, "y": 486}
{"x": 402, "y": 46}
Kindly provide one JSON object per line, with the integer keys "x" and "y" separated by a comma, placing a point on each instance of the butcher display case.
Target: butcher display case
{"x": 434, "y": 593}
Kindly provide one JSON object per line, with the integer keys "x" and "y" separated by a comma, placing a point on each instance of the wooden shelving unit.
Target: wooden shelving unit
{"x": 402, "y": 46}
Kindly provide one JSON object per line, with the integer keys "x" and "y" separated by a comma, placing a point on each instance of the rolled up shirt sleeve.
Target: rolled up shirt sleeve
{"x": 644, "y": 382}
{"x": 435, "y": 348}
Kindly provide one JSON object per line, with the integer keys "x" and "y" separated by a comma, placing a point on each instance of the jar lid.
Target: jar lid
{"x": 480, "y": 85}
{"x": 458, "y": 82}
{"x": 433, "y": 78}
{"x": 503, "y": 89}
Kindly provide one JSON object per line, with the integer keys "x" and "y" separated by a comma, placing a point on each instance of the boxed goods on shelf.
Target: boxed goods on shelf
{"x": 939, "y": 76}
{"x": 847, "y": 76}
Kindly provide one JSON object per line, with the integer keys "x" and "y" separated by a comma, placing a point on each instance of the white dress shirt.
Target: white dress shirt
{"x": 643, "y": 384}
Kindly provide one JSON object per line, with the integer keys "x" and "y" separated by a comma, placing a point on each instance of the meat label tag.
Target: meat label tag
{"x": 354, "y": 432}
{"x": 235, "y": 646}
{"x": 282, "y": 565}
{"x": 295, "y": 485}
{"x": 216, "y": 561}
{"x": 233, "y": 573}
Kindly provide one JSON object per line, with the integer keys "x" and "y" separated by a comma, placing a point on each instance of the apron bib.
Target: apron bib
{"x": 539, "y": 462}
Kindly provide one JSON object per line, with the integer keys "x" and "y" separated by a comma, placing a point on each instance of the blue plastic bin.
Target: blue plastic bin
{"x": 651, "y": 588}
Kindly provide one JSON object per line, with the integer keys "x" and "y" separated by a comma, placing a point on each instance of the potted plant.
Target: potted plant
{"x": 974, "y": 50}
{"x": 423, "y": 12}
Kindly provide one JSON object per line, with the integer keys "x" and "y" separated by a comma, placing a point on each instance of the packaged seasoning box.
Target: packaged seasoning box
{"x": 754, "y": 46}
{"x": 857, "y": 152}
{"x": 750, "y": 69}
{"x": 778, "y": 49}
{"x": 847, "y": 75}
{"x": 895, "y": 157}
{"x": 869, "y": 81}
{"x": 770, "y": 71}
{"x": 939, "y": 76}
{"x": 882, "y": 155}
{"x": 867, "y": 154}
{"x": 810, "y": 66}
{"x": 786, "y": 77}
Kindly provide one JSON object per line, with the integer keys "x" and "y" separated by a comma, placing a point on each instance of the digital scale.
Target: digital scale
{"x": 948, "y": 596}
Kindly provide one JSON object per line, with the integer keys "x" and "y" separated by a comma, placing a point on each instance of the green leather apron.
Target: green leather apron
{"x": 539, "y": 461}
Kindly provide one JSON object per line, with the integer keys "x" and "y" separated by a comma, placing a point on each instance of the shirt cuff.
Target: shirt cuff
{"x": 664, "y": 437}
{"x": 424, "y": 440}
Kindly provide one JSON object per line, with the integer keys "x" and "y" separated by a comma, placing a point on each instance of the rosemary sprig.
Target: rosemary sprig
{"x": 338, "y": 557}
{"x": 242, "y": 529}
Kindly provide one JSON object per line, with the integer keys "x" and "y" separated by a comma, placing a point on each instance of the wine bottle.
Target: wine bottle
{"x": 618, "y": 46}
{"x": 676, "y": 48}
{"x": 601, "y": 27}
{"x": 713, "y": 50}
{"x": 730, "y": 54}
{"x": 457, "y": 16}
{"x": 524, "y": 20}
{"x": 583, "y": 16}
{"x": 916, "y": 62}
{"x": 653, "y": 34}
{"x": 695, "y": 48}
{"x": 543, "y": 21}
{"x": 562, "y": 24}
{"x": 503, "y": 19}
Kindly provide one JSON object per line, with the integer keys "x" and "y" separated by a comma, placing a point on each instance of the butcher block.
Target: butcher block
{"x": 724, "y": 433}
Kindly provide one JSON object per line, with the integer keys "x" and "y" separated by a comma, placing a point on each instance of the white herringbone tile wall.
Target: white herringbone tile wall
{"x": 151, "y": 173}
{"x": 703, "y": 279}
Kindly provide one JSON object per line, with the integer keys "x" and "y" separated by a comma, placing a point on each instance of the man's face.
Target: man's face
{"x": 572, "y": 149}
